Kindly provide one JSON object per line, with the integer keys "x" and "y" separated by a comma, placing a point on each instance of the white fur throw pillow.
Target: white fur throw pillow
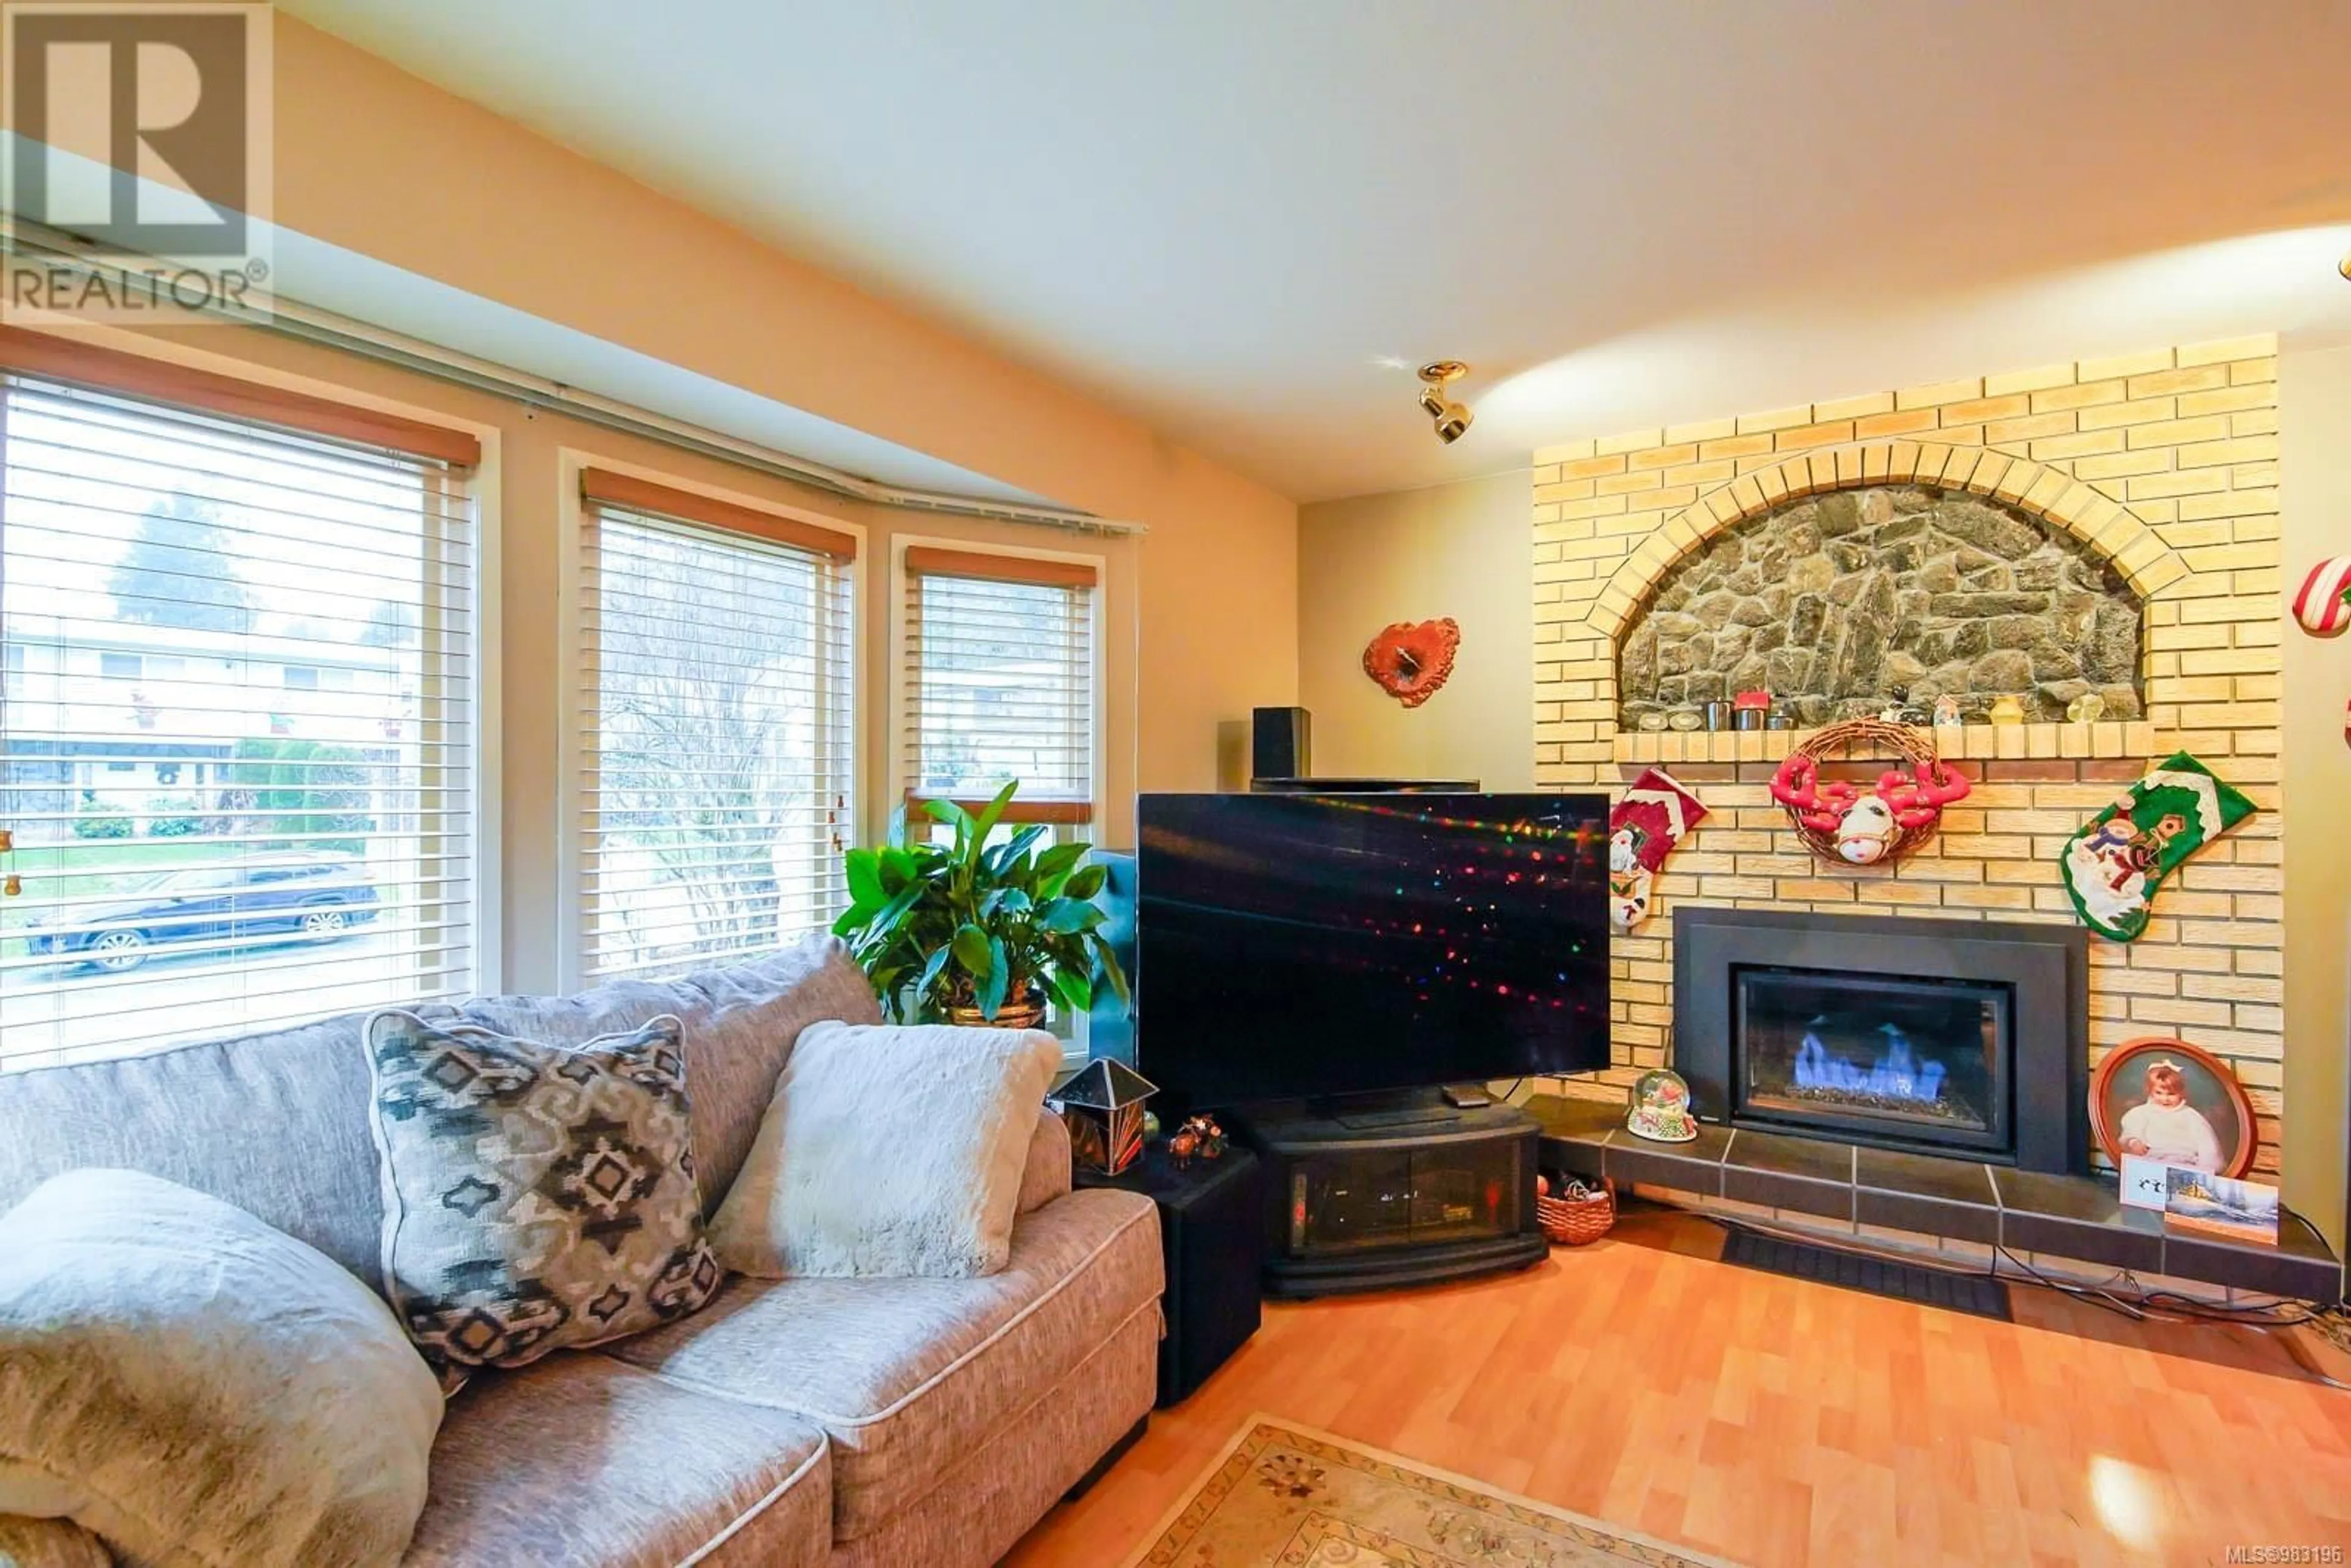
{"x": 889, "y": 1151}
{"x": 196, "y": 1388}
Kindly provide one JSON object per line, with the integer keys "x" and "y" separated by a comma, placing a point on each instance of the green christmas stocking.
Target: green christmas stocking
{"x": 2113, "y": 865}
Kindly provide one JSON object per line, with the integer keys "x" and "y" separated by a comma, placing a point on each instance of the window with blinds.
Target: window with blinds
{"x": 237, "y": 732}
{"x": 718, "y": 750}
{"x": 999, "y": 682}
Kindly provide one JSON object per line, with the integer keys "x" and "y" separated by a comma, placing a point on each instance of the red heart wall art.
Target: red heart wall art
{"x": 1411, "y": 661}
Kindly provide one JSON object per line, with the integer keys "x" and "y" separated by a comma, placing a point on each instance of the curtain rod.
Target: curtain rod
{"x": 312, "y": 324}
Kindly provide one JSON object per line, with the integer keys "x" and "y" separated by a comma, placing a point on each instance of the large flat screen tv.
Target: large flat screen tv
{"x": 1311, "y": 946}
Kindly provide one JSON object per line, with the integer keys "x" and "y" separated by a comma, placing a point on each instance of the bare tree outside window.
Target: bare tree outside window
{"x": 712, "y": 782}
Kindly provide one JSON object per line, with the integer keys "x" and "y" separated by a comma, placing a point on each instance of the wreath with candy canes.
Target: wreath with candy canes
{"x": 1850, "y": 824}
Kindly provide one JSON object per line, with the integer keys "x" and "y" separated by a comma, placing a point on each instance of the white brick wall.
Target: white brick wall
{"x": 2167, "y": 460}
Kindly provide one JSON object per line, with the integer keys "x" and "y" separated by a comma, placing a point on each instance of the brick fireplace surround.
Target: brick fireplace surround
{"x": 2165, "y": 466}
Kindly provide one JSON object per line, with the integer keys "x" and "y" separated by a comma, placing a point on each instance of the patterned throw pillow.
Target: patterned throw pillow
{"x": 535, "y": 1196}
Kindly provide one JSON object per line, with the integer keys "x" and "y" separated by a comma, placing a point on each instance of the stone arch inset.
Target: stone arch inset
{"x": 2138, "y": 551}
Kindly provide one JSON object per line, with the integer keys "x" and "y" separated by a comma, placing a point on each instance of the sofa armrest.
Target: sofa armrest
{"x": 1046, "y": 1175}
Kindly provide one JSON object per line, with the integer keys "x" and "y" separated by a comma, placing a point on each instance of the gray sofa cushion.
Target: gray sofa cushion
{"x": 996, "y": 1492}
{"x": 579, "y": 1459}
{"x": 277, "y": 1124}
{"x": 740, "y": 1023}
{"x": 907, "y": 1376}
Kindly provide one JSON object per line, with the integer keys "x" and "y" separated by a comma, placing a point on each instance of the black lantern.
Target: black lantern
{"x": 1101, "y": 1104}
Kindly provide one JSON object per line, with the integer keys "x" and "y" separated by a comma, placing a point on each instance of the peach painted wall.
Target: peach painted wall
{"x": 381, "y": 162}
{"x": 1415, "y": 555}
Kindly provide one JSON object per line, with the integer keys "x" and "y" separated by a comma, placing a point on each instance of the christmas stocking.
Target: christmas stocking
{"x": 2113, "y": 865}
{"x": 1642, "y": 831}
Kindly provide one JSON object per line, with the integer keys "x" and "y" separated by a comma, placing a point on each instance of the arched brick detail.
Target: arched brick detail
{"x": 2146, "y": 562}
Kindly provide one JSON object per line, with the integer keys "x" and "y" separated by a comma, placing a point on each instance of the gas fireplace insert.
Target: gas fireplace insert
{"x": 1959, "y": 1038}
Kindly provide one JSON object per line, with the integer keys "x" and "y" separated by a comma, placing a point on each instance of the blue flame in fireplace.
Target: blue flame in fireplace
{"x": 1896, "y": 1075}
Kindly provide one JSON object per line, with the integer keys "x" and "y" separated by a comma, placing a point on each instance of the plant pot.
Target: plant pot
{"x": 1029, "y": 1012}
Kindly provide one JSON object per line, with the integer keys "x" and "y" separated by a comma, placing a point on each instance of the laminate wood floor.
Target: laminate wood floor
{"x": 1777, "y": 1422}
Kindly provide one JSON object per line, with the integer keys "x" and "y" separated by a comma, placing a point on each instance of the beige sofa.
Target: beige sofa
{"x": 898, "y": 1422}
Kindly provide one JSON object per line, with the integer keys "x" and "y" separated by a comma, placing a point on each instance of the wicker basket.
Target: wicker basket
{"x": 1865, "y": 739}
{"x": 1571, "y": 1220}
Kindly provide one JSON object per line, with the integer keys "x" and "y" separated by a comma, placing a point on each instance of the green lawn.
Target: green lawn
{"x": 87, "y": 862}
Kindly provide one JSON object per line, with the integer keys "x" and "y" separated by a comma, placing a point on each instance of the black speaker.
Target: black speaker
{"x": 1212, "y": 1249}
{"x": 1211, "y": 1242}
{"x": 1282, "y": 743}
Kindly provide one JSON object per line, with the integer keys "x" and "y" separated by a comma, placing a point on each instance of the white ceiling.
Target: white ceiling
{"x": 1223, "y": 215}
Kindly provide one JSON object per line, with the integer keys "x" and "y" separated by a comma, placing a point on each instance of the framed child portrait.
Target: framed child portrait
{"x": 2168, "y": 1100}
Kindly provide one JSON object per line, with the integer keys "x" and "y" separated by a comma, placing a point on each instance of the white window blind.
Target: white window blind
{"x": 208, "y": 841}
{"x": 717, "y": 739}
{"x": 999, "y": 682}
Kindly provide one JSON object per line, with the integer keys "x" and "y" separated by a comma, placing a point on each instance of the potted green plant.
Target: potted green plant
{"x": 967, "y": 932}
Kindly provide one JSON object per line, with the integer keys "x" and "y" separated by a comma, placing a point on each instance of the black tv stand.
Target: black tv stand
{"x": 1383, "y": 1196}
{"x": 1373, "y": 1113}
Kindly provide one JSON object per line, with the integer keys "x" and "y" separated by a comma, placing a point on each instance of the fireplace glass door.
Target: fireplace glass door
{"x": 1920, "y": 1063}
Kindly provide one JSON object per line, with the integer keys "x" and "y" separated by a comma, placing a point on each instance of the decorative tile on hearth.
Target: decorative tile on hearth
{"x": 2300, "y": 1266}
{"x": 1943, "y": 1198}
{"x": 1810, "y": 1174}
{"x": 2076, "y": 1217}
{"x": 1694, "y": 1166}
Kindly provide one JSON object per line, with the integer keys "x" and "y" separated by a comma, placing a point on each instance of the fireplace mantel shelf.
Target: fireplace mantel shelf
{"x": 2077, "y": 1217}
{"x": 2106, "y": 740}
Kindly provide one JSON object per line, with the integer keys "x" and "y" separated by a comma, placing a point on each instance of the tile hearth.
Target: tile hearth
{"x": 2078, "y": 1217}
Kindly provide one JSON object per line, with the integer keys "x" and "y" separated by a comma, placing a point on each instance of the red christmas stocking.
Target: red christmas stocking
{"x": 1642, "y": 831}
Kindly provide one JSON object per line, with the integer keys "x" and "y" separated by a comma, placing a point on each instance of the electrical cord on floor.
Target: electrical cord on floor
{"x": 2160, "y": 1306}
{"x": 2143, "y": 1306}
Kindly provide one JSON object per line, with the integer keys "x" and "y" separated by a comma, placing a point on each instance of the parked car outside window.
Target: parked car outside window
{"x": 278, "y": 896}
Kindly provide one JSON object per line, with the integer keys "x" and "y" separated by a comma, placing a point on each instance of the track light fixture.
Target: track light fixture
{"x": 1452, "y": 418}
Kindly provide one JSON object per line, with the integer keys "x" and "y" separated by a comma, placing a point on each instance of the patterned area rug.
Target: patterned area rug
{"x": 1283, "y": 1494}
